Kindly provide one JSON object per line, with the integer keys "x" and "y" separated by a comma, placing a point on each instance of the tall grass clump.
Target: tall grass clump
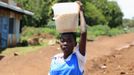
{"x": 97, "y": 30}
{"x": 102, "y": 30}
{"x": 115, "y": 31}
{"x": 30, "y": 31}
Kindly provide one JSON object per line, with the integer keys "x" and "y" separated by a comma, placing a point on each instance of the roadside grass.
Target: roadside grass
{"x": 22, "y": 50}
{"x": 103, "y": 30}
{"x": 92, "y": 33}
{"x": 30, "y": 31}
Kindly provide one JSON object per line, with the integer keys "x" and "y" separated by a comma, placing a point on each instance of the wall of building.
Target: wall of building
{"x": 13, "y": 37}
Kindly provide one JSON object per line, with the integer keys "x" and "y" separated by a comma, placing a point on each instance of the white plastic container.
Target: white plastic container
{"x": 66, "y": 16}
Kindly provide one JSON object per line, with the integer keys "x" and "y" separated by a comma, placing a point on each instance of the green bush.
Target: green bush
{"x": 29, "y": 31}
{"x": 51, "y": 24}
{"x": 98, "y": 30}
{"x": 131, "y": 29}
{"x": 115, "y": 31}
{"x": 92, "y": 31}
{"x": 101, "y": 30}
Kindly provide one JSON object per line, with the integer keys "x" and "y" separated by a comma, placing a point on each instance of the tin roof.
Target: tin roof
{"x": 15, "y": 8}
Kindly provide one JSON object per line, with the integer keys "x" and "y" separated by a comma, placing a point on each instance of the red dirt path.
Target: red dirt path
{"x": 103, "y": 58}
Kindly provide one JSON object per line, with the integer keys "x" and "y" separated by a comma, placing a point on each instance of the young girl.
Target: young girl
{"x": 72, "y": 60}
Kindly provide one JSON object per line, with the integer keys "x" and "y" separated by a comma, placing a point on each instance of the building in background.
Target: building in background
{"x": 10, "y": 17}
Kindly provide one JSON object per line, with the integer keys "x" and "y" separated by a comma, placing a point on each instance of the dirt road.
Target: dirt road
{"x": 103, "y": 56}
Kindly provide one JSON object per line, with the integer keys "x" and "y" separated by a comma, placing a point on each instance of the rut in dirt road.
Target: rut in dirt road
{"x": 37, "y": 63}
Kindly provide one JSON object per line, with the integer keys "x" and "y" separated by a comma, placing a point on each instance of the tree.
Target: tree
{"x": 95, "y": 11}
{"x": 115, "y": 14}
{"x": 41, "y": 9}
{"x": 110, "y": 10}
{"x": 93, "y": 15}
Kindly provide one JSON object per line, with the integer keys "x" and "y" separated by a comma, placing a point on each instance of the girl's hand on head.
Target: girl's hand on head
{"x": 80, "y": 4}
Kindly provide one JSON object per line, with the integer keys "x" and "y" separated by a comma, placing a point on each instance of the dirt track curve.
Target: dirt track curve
{"x": 37, "y": 63}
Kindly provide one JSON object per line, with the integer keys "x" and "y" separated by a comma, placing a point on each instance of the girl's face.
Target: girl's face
{"x": 67, "y": 43}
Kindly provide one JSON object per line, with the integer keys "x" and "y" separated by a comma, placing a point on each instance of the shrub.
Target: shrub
{"x": 92, "y": 31}
{"x": 98, "y": 30}
{"x": 115, "y": 31}
{"x": 51, "y": 24}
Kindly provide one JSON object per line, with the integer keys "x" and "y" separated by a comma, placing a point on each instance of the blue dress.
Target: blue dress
{"x": 59, "y": 66}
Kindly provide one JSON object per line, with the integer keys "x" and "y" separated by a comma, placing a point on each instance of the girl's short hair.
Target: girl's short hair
{"x": 68, "y": 33}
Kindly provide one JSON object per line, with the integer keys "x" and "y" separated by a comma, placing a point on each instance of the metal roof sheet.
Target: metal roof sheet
{"x": 15, "y": 8}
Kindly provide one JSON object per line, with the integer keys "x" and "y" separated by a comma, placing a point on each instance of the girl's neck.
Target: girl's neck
{"x": 66, "y": 55}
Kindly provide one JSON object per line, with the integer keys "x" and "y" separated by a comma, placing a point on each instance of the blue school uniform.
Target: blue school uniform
{"x": 73, "y": 65}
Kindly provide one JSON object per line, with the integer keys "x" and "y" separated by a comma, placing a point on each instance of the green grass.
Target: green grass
{"x": 103, "y": 30}
{"x": 131, "y": 29}
{"x": 92, "y": 33}
{"x": 30, "y": 31}
{"x": 22, "y": 50}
